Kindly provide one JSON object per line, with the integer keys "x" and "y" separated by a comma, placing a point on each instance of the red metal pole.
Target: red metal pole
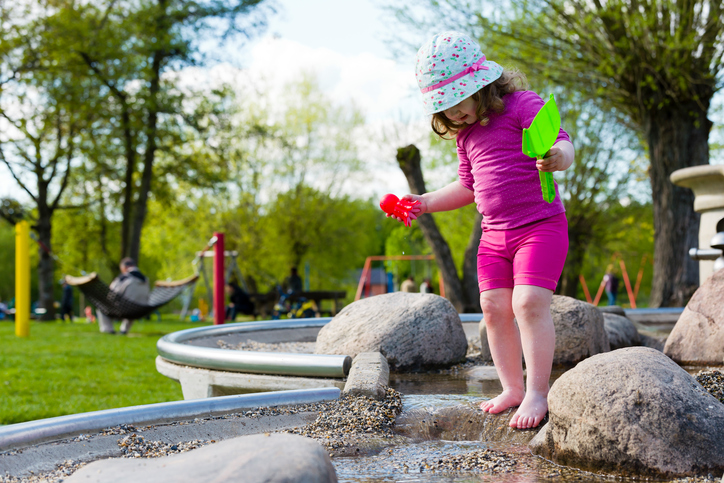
{"x": 363, "y": 278}
{"x": 585, "y": 288}
{"x": 631, "y": 297}
{"x": 219, "y": 283}
{"x": 599, "y": 293}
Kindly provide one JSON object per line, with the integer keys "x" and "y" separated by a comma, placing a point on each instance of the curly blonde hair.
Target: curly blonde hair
{"x": 489, "y": 99}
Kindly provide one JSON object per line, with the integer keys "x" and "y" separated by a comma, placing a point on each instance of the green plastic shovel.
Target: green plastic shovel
{"x": 539, "y": 138}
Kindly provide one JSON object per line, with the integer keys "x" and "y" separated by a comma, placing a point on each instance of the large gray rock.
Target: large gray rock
{"x": 621, "y": 331}
{"x": 633, "y": 411}
{"x": 413, "y": 331}
{"x": 655, "y": 342}
{"x": 612, "y": 309}
{"x": 260, "y": 458}
{"x": 580, "y": 331}
{"x": 698, "y": 336}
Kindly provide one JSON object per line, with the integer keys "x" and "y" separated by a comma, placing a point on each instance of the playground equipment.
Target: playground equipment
{"x": 632, "y": 293}
{"x": 231, "y": 269}
{"x": 366, "y": 271}
{"x": 22, "y": 279}
{"x": 539, "y": 138}
{"x": 707, "y": 183}
{"x": 402, "y": 209}
{"x": 716, "y": 252}
{"x": 116, "y": 306}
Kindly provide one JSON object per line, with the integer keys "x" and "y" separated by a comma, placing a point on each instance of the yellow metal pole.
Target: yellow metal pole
{"x": 22, "y": 279}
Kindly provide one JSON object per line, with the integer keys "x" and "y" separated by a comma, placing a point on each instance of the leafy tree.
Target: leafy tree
{"x": 7, "y": 262}
{"x": 608, "y": 161}
{"x": 630, "y": 237}
{"x": 41, "y": 112}
{"x": 655, "y": 63}
{"x": 130, "y": 50}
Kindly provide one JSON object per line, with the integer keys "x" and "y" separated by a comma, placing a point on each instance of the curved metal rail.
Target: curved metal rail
{"x": 175, "y": 348}
{"x": 21, "y": 435}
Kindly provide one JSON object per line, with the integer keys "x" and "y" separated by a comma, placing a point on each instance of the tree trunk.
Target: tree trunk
{"x": 46, "y": 271}
{"x": 139, "y": 215}
{"x": 127, "y": 208}
{"x": 409, "y": 160}
{"x": 677, "y": 136}
{"x": 471, "y": 291}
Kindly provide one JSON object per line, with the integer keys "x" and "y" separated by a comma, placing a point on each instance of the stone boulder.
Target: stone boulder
{"x": 655, "y": 342}
{"x": 621, "y": 331}
{"x": 698, "y": 336}
{"x": 633, "y": 411}
{"x": 612, "y": 309}
{"x": 413, "y": 331}
{"x": 259, "y": 458}
{"x": 580, "y": 331}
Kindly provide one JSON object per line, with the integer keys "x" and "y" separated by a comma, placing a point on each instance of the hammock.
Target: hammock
{"x": 115, "y": 306}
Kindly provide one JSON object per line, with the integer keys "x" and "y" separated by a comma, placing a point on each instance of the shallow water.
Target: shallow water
{"x": 435, "y": 426}
{"x": 480, "y": 381}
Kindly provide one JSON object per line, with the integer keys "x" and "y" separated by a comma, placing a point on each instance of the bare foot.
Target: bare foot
{"x": 506, "y": 399}
{"x": 531, "y": 411}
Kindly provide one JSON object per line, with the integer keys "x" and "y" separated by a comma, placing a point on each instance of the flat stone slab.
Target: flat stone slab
{"x": 463, "y": 422}
{"x": 482, "y": 373}
{"x": 369, "y": 376}
{"x": 267, "y": 458}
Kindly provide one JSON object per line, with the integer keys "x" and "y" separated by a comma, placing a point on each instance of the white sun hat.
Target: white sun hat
{"x": 450, "y": 68}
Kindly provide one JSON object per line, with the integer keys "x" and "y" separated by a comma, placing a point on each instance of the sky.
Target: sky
{"x": 346, "y": 44}
{"x": 343, "y": 43}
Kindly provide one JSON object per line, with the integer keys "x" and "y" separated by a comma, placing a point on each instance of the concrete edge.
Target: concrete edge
{"x": 369, "y": 376}
{"x": 16, "y": 436}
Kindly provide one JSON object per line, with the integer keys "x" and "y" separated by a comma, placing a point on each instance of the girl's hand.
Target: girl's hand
{"x": 559, "y": 158}
{"x": 416, "y": 210}
{"x": 554, "y": 161}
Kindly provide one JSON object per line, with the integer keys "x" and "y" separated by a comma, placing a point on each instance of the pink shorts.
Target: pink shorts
{"x": 531, "y": 254}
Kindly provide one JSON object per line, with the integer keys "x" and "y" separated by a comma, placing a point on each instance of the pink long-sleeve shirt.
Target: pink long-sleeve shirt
{"x": 492, "y": 165}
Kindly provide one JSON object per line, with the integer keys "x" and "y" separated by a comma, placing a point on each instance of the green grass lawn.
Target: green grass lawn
{"x": 67, "y": 368}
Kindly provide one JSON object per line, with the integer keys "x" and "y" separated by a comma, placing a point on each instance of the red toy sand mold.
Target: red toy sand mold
{"x": 402, "y": 209}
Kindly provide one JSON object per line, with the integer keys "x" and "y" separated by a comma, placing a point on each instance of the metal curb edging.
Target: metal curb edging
{"x": 174, "y": 348}
{"x": 20, "y": 435}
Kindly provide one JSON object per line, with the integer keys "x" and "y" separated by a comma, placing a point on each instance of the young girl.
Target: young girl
{"x": 525, "y": 239}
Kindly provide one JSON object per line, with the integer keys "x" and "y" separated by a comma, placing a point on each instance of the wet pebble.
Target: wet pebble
{"x": 252, "y": 345}
{"x": 713, "y": 381}
{"x": 136, "y": 446}
{"x": 342, "y": 423}
{"x": 485, "y": 460}
{"x": 61, "y": 471}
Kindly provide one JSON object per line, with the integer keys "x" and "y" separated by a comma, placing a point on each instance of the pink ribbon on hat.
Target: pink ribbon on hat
{"x": 478, "y": 65}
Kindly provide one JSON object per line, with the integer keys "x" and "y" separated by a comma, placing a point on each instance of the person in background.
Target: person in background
{"x": 239, "y": 302}
{"x": 3, "y": 310}
{"x": 89, "y": 317}
{"x": 66, "y": 302}
{"x": 133, "y": 286}
{"x": 408, "y": 285}
{"x": 426, "y": 286}
{"x": 611, "y": 281}
{"x": 293, "y": 283}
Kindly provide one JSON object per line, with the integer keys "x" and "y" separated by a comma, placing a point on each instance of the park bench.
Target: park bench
{"x": 264, "y": 302}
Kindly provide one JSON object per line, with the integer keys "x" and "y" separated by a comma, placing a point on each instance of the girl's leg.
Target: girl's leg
{"x": 532, "y": 309}
{"x": 504, "y": 342}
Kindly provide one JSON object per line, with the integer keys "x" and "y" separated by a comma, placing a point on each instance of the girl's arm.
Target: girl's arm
{"x": 559, "y": 158}
{"x": 450, "y": 197}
